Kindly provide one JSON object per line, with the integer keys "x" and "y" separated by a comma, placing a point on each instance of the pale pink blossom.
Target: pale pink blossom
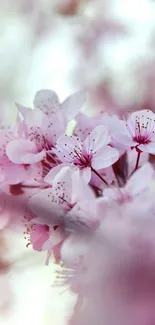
{"x": 138, "y": 131}
{"x": 46, "y": 238}
{"x": 52, "y": 203}
{"x": 39, "y": 234}
{"x": 33, "y": 146}
{"x": 63, "y": 208}
{"x": 53, "y": 244}
{"x": 85, "y": 124}
{"x": 137, "y": 183}
{"x": 117, "y": 281}
{"x": 40, "y": 128}
{"x": 10, "y": 172}
{"x": 37, "y": 138}
{"x": 48, "y": 102}
{"x": 89, "y": 155}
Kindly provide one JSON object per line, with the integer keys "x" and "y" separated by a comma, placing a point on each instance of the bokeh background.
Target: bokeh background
{"x": 106, "y": 47}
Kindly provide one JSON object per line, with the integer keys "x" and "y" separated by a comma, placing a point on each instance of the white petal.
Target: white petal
{"x": 140, "y": 180}
{"x": 23, "y": 151}
{"x": 73, "y": 104}
{"x": 42, "y": 206}
{"x": 105, "y": 157}
{"x": 23, "y": 110}
{"x": 73, "y": 248}
{"x": 150, "y": 147}
{"x": 98, "y": 138}
{"x": 49, "y": 178}
{"x": 86, "y": 174}
{"x": 47, "y": 101}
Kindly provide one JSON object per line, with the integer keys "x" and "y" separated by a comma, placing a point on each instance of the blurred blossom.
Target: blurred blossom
{"x": 84, "y": 195}
{"x": 116, "y": 284}
{"x": 111, "y": 48}
{"x": 67, "y": 7}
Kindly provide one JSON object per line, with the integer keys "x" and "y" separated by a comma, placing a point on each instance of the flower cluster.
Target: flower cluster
{"x": 85, "y": 198}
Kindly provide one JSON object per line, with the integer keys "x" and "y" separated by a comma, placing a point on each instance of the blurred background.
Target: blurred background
{"x": 103, "y": 46}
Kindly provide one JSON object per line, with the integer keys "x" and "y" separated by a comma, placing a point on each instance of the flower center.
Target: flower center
{"x": 141, "y": 139}
{"x": 43, "y": 143}
{"x": 82, "y": 160}
{"x": 49, "y": 162}
{"x": 41, "y": 140}
{"x": 142, "y": 129}
{"x": 61, "y": 197}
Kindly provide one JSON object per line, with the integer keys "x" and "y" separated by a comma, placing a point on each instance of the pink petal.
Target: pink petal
{"x": 33, "y": 174}
{"x": 73, "y": 104}
{"x": 150, "y": 147}
{"x": 126, "y": 141}
{"x": 105, "y": 157}
{"x": 47, "y": 101}
{"x": 54, "y": 120}
{"x": 98, "y": 138}
{"x": 72, "y": 250}
{"x": 31, "y": 158}
{"x": 38, "y": 220}
{"x": 86, "y": 174}
{"x": 140, "y": 180}
{"x": 65, "y": 146}
{"x": 80, "y": 188}
{"x": 56, "y": 252}
{"x": 110, "y": 194}
{"x": 64, "y": 177}
{"x": 118, "y": 131}
{"x": 53, "y": 244}
{"x": 23, "y": 151}
{"x": 20, "y": 129}
{"x": 42, "y": 206}
{"x": 56, "y": 237}
{"x": 38, "y": 236}
{"x": 82, "y": 216}
{"x": 53, "y": 172}
{"x": 115, "y": 125}
{"x": 36, "y": 118}
{"x": 11, "y": 173}
{"x": 85, "y": 125}
{"x": 143, "y": 116}
{"x": 23, "y": 110}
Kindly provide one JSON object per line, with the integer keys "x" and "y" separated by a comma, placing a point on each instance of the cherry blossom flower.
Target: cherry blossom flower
{"x": 138, "y": 131}
{"x": 61, "y": 207}
{"x": 35, "y": 144}
{"x": 80, "y": 199}
{"x": 117, "y": 279}
{"x": 85, "y": 125}
{"x": 48, "y": 102}
{"x": 89, "y": 155}
{"x": 53, "y": 203}
{"x": 137, "y": 183}
{"x": 40, "y": 128}
{"x": 10, "y": 172}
